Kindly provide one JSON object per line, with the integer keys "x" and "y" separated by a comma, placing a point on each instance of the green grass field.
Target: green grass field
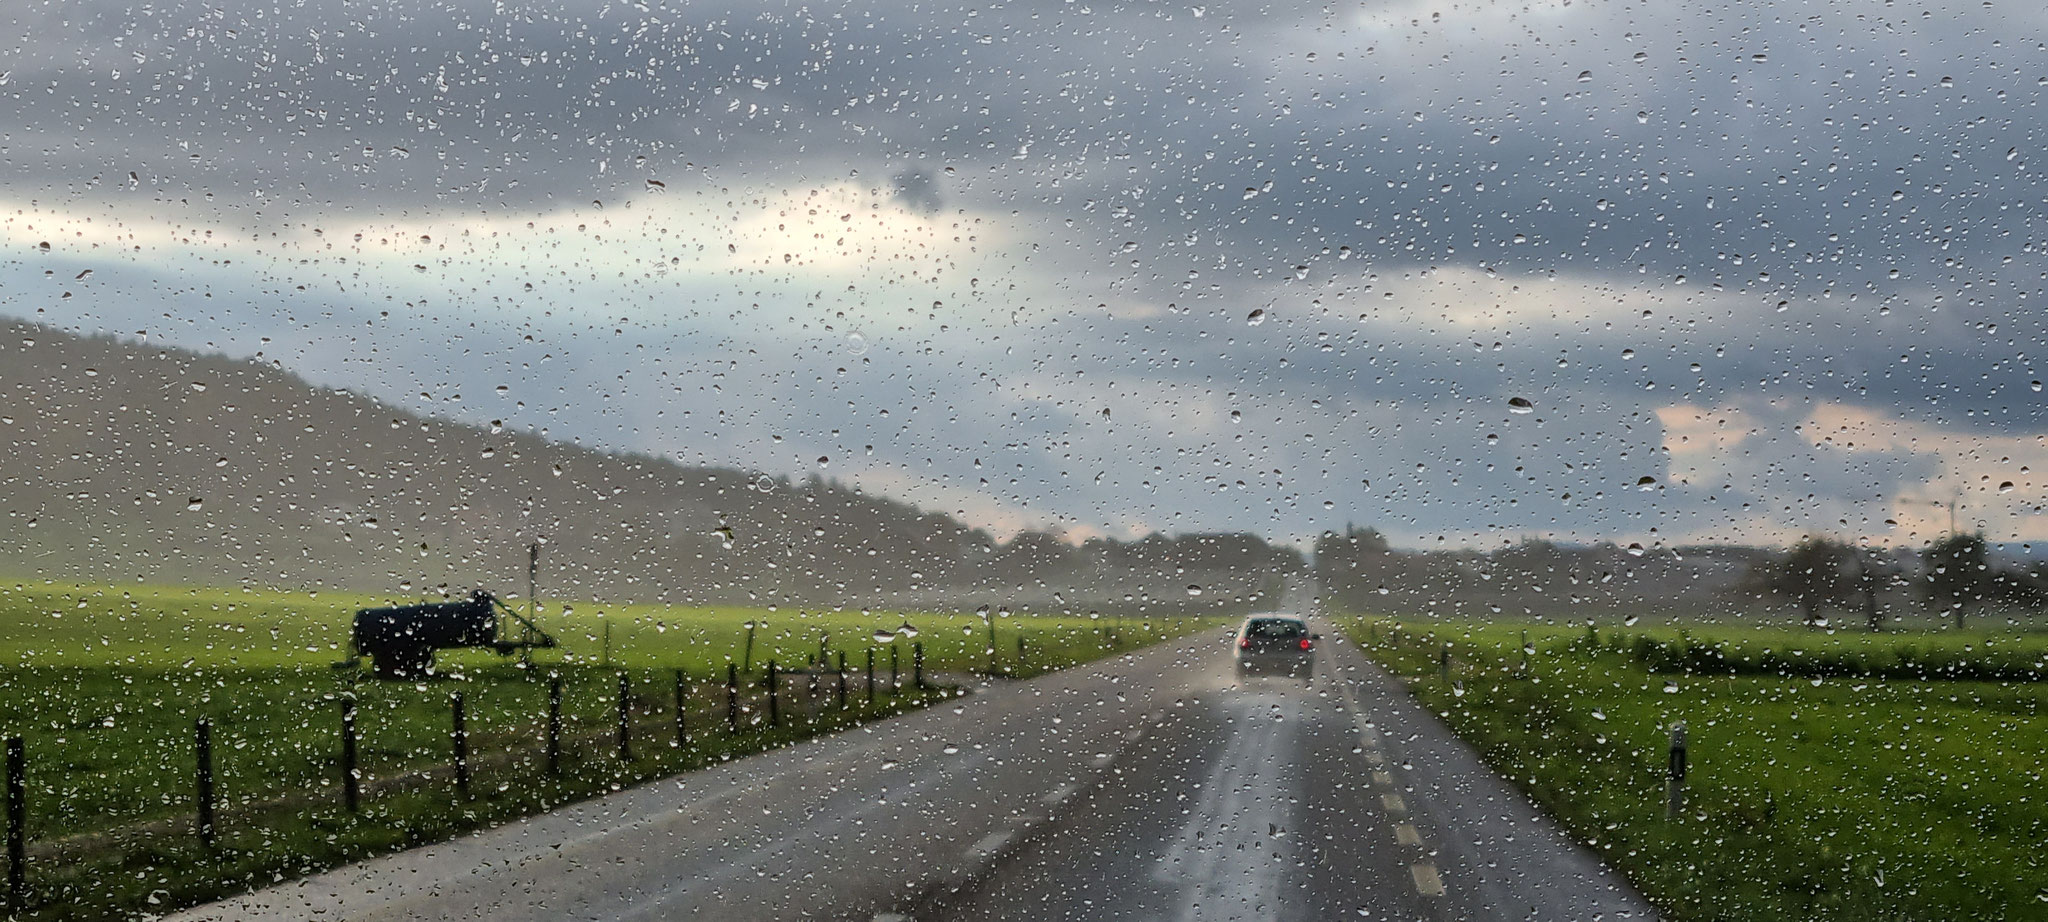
{"x": 188, "y": 628}
{"x": 1813, "y": 793}
{"x": 104, "y": 685}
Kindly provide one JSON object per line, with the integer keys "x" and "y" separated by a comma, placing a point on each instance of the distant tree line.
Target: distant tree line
{"x": 1360, "y": 570}
{"x": 1955, "y": 577}
{"x": 1046, "y": 558}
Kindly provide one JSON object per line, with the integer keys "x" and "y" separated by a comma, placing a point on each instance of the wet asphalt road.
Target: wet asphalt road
{"x": 1150, "y": 786}
{"x": 1274, "y": 799}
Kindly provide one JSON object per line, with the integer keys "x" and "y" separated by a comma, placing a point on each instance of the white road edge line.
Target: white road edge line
{"x": 990, "y": 845}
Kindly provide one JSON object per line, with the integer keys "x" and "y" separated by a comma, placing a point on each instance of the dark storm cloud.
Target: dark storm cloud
{"x": 1819, "y": 150}
{"x": 917, "y": 190}
{"x": 1755, "y": 210}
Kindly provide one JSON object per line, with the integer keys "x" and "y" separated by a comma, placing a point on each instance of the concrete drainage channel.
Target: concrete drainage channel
{"x": 979, "y": 860}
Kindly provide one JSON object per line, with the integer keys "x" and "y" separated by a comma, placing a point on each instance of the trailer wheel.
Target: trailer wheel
{"x": 407, "y": 662}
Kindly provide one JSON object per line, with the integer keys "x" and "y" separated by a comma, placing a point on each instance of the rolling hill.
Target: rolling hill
{"x": 132, "y": 462}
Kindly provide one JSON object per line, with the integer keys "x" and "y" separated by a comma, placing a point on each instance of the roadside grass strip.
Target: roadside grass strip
{"x": 1813, "y": 790}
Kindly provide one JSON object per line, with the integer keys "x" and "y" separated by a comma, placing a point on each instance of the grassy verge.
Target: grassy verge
{"x": 105, "y": 684}
{"x": 1814, "y": 792}
{"x": 186, "y": 628}
{"x": 161, "y": 866}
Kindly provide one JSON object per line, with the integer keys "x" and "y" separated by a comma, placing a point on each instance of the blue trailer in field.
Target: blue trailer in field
{"x": 400, "y": 640}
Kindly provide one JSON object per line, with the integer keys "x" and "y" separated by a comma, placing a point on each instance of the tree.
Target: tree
{"x": 1872, "y": 572}
{"x": 1033, "y": 556}
{"x": 1348, "y": 565}
{"x": 1814, "y": 573}
{"x": 1958, "y": 571}
{"x": 2022, "y": 589}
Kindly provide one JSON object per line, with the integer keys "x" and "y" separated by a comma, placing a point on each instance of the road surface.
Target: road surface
{"x": 1148, "y": 786}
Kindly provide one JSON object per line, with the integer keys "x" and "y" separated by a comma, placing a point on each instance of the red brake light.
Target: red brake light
{"x": 1244, "y": 643}
{"x": 1304, "y": 643}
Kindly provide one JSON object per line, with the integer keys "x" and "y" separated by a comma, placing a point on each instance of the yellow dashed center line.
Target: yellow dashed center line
{"x": 1427, "y": 882}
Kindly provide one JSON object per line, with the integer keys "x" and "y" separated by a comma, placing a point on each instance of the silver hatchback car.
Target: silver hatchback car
{"x": 1275, "y": 643}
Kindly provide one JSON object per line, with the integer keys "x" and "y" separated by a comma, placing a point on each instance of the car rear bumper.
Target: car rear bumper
{"x": 1292, "y": 663}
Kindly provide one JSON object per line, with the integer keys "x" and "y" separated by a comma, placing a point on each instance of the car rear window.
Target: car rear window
{"x": 1276, "y": 628}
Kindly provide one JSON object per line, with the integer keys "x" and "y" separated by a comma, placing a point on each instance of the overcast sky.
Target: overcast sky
{"x": 1462, "y": 271}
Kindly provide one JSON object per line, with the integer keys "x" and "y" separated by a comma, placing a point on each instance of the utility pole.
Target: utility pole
{"x": 1955, "y": 499}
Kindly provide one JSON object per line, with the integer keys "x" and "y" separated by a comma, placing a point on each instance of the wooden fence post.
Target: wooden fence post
{"x": 458, "y": 735}
{"x": 202, "y": 744}
{"x": 625, "y": 718}
{"x": 1674, "y": 784}
{"x": 682, "y": 696}
{"x": 17, "y": 822}
{"x": 351, "y": 784}
{"x": 732, "y": 698}
{"x": 554, "y": 725}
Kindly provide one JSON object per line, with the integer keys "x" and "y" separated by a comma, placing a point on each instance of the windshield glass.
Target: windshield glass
{"x": 837, "y": 441}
